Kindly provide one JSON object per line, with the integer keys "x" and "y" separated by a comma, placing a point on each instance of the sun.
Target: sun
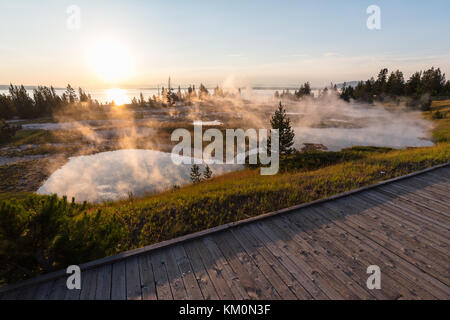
{"x": 117, "y": 96}
{"x": 111, "y": 61}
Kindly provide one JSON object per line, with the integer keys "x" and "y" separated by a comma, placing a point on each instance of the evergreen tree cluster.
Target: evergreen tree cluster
{"x": 196, "y": 175}
{"x": 44, "y": 102}
{"x": 431, "y": 82}
{"x": 304, "y": 90}
{"x": 169, "y": 97}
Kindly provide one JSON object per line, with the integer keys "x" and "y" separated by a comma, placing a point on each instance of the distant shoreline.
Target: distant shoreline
{"x": 339, "y": 85}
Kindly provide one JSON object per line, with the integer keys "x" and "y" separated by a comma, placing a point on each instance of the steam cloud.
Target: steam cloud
{"x": 114, "y": 175}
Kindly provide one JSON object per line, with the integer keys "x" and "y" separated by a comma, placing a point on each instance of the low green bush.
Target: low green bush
{"x": 7, "y": 131}
{"x": 43, "y": 233}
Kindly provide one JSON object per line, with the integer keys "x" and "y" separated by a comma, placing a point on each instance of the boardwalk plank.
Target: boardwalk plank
{"x": 148, "y": 283}
{"x": 345, "y": 284}
{"x": 14, "y": 295}
{"x": 253, "y": 280}
{"x": 104, "y": 283}
{"x": 350, "y": 263}
{"x": 268, "y": 265}
{"x": 437, "y": 214}
{"x": 221, "y": 263}
{"x": 387, "y": 241}
{"x": 440, "y": 189}
{"x": 27, "y": 293}
{"x": 133, "y": 280}
{"x": 398, "y": 238}
{"x": 118, "y": 282}
{"x": 73, "y": 294}
{"x": 431, "y": 178}
{"x": 43, "y": 290}
{"x": 174, "y": 275}
{"x": 409, "y": 269}
{"x": 59, "y": 289}
{"x": 420, "y": 197}
{"x": 419, "y": 193}
{"x": 358, "y": 248}
{"x": 385, "y": 212}
{"x": 209, "y": 277}
{"x": 88, "y": 284}
{"x": 305, "y": 279}
{"x": 297, "y": 254}
{"x": 190, "y": 282}
{"x": 405, "y": 209}
{"x": 442, "y": 174}
{"x": 423, "y": 213}
{"x": 163, "y": 289}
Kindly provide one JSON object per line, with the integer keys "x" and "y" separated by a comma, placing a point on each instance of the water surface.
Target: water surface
{"x": 114, "y": 175}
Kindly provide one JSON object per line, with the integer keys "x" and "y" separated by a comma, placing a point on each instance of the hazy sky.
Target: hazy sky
{"x": 255, "y": 42}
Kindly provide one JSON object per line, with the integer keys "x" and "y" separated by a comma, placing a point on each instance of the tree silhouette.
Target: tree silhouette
{"x": 207, "y": 174}
{"x": 196, "y": 175}
{"x": 281, "y": 121}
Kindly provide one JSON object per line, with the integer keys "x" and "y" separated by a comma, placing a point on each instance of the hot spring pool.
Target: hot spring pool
{"x": 113, "y": 175}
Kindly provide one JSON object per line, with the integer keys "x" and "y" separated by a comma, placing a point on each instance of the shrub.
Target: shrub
{"x": 44, "y": 233}
{"x": 438, "y": 115}
{"x": 7, "y": 131}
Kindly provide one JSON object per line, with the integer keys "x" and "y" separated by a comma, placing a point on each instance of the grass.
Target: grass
{"x": 30, "y": 136}
{"x": 303, "y": 177}
{"x": 441, "y": 131}
{"x": 38, "y": 136}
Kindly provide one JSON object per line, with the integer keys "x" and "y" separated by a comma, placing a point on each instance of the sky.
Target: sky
{"x": 140, "y": 43}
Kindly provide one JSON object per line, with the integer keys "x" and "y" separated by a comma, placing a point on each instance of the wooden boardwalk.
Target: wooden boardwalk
{"x": 314, "y": 251}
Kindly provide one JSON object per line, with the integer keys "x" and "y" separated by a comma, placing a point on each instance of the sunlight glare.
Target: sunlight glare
{"x": 117, "y": 96}
{"x": 111, "y": 61}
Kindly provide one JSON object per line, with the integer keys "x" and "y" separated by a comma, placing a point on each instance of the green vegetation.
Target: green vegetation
{"x": 196, "y": 175}
{"x": 45, "y": 102}
{"x": 313, "y": 160}
{"x": 41, "y": 234}
{"x": 7, "y": 131}
{"x": 418, "y": 89}
{"x": 441, "y": 131}
{"x": 44, "y": 138}
{"x": 28, "y": 136}
{"x": 282, "y": 122}
{"x": 207, "y": 174}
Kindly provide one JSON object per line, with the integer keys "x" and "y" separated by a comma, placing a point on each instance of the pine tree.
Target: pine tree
{"x": 207, "y": 174}
{"x": 70, "y": 94}
{"x": 203, "y": 92}
{"x": 83, "y": 96}
{"x": 281, "y": 121}
{"x": 196, "y": 175}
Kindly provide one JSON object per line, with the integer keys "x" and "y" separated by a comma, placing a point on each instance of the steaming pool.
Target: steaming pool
{"x": 336, "y": 139}
{"x": 113, "y": 175}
